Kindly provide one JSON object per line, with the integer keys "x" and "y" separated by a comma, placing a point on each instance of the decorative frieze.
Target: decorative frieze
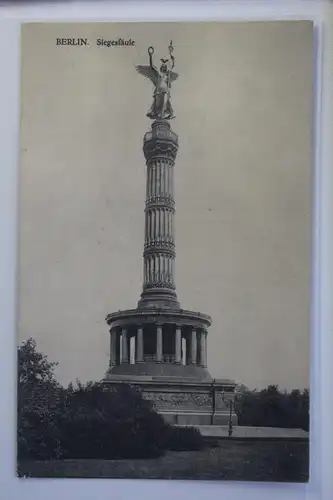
{"x": 179, "y": 399}
{"x": 220, "y": 401}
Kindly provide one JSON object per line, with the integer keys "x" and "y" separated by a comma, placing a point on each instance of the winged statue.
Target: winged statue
{"x": 162, "y": 80}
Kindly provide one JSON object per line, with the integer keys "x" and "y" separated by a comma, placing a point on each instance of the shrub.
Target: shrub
{"x": 110, "y": 423}
{"x": 184, "y": 439}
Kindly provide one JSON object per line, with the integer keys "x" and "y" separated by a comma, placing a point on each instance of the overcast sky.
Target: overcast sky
{"x": 242, "y": 186}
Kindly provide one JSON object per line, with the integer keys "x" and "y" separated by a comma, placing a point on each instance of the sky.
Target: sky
{"x": 243, "y": 175}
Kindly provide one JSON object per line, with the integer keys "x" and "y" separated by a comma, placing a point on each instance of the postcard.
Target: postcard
{"x": 165, "y": 228}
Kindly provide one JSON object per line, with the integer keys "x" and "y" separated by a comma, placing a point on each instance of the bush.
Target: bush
{"x": 110, "y": 423}
{"x": 184, "y": 439}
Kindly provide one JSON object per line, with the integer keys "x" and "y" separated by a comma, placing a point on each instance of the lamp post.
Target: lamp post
{"x": 230, "y": 427}
{"x": 213, "y": 402}
{"x": 230, "y": 402}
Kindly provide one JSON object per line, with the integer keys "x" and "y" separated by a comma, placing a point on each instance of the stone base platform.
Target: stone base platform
{"x": 183, "y": 401}
{"x": 255, "y": 433}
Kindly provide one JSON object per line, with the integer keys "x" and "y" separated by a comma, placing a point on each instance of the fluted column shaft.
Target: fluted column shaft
{"x": 160, "y": 150}
{"x": 159, "y": 225}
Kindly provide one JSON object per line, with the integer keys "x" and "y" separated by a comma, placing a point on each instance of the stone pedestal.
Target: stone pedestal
{"x": 183, "y": 401}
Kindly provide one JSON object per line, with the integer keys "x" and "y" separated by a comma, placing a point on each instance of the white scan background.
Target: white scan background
{"x": 321, "y": 12}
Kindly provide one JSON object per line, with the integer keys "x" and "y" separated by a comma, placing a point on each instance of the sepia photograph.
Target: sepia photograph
{"x": 165, "y": 250}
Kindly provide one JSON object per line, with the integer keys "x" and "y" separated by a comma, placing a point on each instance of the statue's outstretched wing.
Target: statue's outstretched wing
{"x": 173, "y": 76}
{"x": 149, "y": 72}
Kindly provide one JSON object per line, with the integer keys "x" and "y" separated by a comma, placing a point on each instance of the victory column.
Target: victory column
{"x": 170, "y": 343}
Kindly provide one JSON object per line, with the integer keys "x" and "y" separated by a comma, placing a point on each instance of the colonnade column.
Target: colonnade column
{"x": 159, "y": 344}
{"x": 139, "y": 347}
{"x": 203, "y": 357}
{"x": 178, "y": 344}
{"x": 113, "y": 345}
{"x": 118, "y": 336}
{"x": 194, "y": 347}
{"x": 188, "y": 349}
{"x": 124, "y": 354}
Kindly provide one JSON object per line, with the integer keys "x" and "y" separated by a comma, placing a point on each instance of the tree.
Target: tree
{"x": 33, "y": 366}
{"x": 87, "y": 420}
{"x": 38, "y": 397}
{"x": 272, "y": 408}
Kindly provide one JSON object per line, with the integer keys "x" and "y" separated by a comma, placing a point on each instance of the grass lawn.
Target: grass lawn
{"x": 232, "y": 460}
